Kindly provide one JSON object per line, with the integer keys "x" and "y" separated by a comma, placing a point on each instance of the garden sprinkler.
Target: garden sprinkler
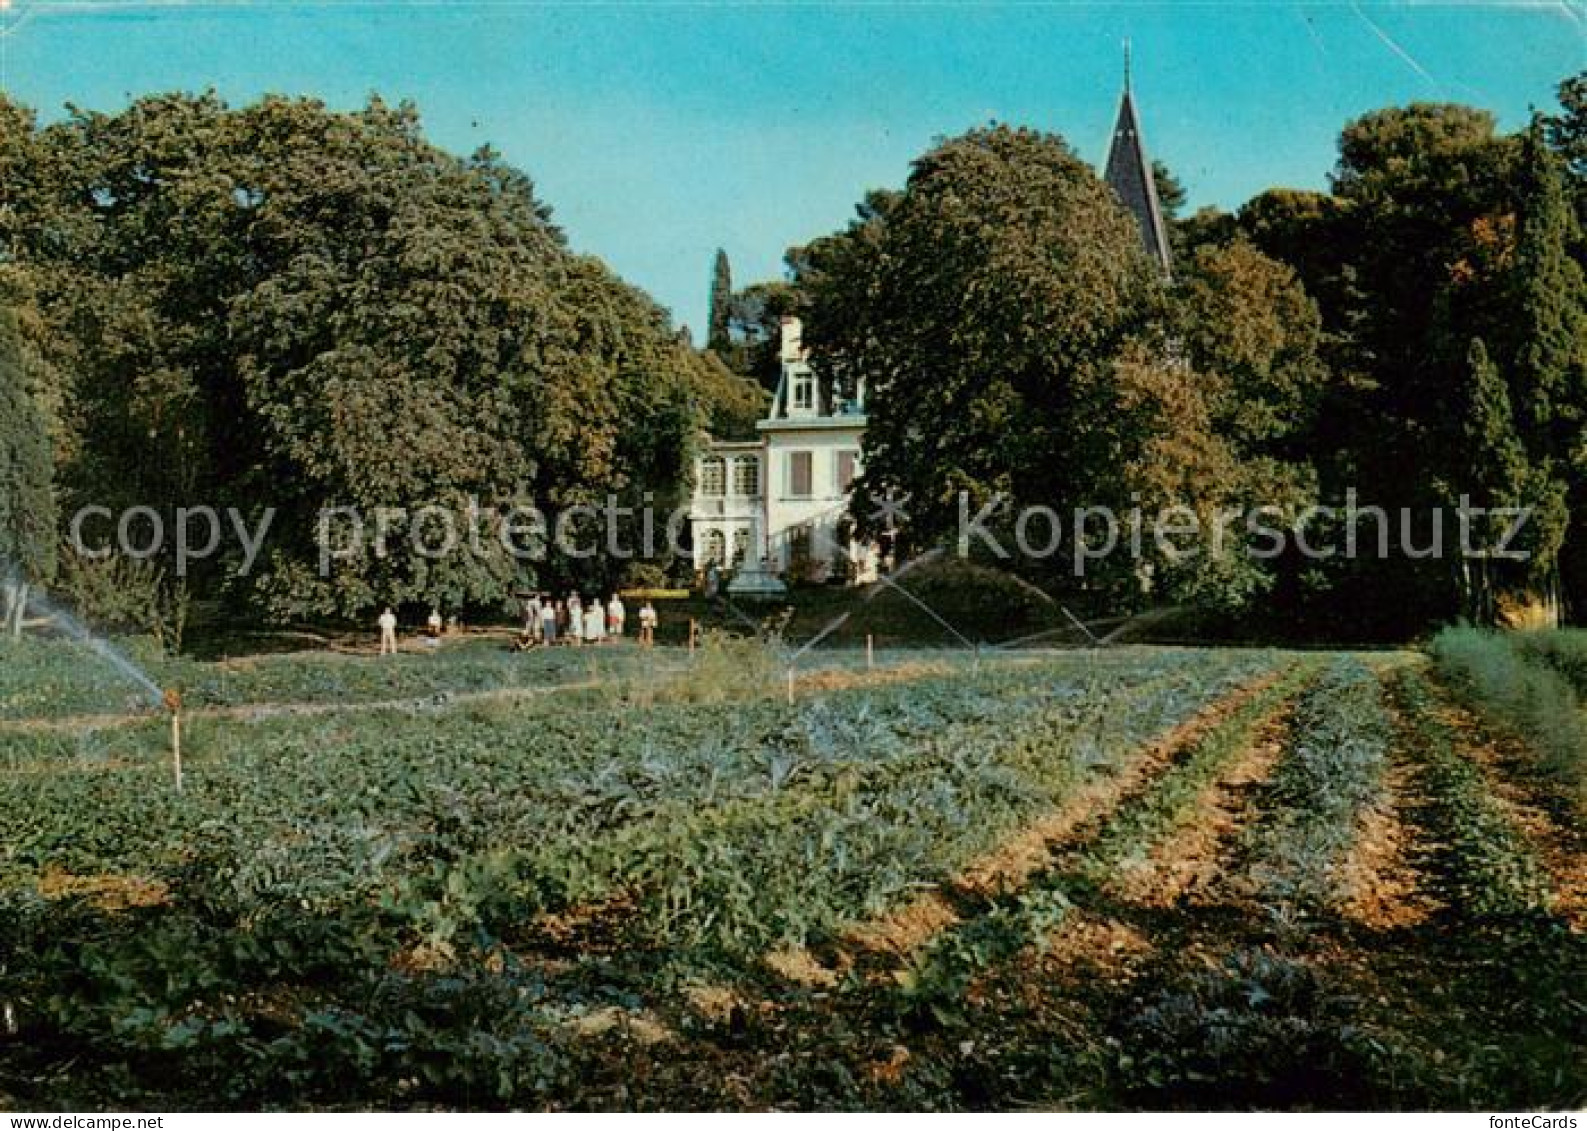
{"x": 173, "y": 704}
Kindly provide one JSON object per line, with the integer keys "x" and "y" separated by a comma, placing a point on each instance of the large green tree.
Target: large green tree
{"x": 1016, "y": 344}
{"x": 1548, "y": 297}
{"x": 1567, "y": 130}
{"x": 755, "y": 330}
{"x": 1407, "y": 259}
{"x": 1500, "y": 478}
{"x": 1253, "y": 337}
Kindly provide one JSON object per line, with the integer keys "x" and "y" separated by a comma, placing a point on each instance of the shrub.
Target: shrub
{"x": 1564, "y": 650}
{"x": 1491, "y": 869}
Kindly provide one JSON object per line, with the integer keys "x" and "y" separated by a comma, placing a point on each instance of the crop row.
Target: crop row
{"x": 1491, "y": 870}
{"x": 42, "y": 678}
{"x": 47, "y": 678}
{"x": 1173, "y": 798}
{"x": 1331, "y": 776}
{"x": 790, "y": 871}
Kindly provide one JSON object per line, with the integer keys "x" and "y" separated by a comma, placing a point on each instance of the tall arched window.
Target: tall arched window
{"x": 715, "y": 547}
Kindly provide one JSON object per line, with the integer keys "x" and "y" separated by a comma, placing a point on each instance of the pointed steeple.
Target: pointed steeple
{"x": 1129, "y": 175}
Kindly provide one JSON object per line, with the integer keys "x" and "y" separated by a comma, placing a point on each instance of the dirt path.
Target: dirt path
{"x": 1383, "y": 873}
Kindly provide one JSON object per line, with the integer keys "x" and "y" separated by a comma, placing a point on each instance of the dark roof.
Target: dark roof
{"x": 1129, "y": 175}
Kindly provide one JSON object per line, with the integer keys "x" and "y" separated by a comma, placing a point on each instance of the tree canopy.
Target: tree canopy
{"x": 1440, "y": 230}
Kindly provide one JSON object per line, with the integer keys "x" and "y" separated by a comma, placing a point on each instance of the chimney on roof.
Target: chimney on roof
{"x": 793, "y": 348}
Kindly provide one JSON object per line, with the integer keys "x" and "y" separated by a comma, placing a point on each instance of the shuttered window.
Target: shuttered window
{"x": 847, "y": 464}
{"x": 799, "y": 477}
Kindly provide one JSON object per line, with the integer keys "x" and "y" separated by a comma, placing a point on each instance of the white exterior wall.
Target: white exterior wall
{"x": 826, "y": 505}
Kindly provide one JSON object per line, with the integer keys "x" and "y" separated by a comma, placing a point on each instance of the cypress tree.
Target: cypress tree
{"x": 717, "y": 337}
{"x": 1497, "y": 471}
{"x": 1552, "y": 301}
{"x": 1550, "y": 367}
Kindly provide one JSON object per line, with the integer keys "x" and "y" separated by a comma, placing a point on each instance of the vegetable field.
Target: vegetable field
{"x": 606, "y": 878}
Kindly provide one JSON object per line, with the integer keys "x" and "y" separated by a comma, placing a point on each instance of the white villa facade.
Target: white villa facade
{"x": 775, "y": 507}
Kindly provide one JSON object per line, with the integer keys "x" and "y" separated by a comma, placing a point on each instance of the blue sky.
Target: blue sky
{"x": 660, "y": 131}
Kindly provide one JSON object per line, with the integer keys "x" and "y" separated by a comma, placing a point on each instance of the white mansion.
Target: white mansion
{"x": 776, "y": 507}
{"x": 777, "y": 504}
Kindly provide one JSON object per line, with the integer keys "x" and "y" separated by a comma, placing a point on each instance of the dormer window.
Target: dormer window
{"x": 804, "y": 390}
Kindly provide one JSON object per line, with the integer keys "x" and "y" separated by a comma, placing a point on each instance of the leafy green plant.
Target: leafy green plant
{"x": 936, "y": 979}
{"x": 1260, "y": 1031}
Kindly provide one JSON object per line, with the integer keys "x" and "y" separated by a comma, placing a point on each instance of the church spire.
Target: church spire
{"x": 1129, "y": 175}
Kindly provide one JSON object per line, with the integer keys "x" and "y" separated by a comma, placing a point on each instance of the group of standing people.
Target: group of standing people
{"x": 435, "y": 627}
{"x": 576, "y": 621}
{"x": 546, "y": 621}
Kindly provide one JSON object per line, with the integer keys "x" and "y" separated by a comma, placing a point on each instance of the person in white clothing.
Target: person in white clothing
{"x": 594, "y": 622}
{"x": 615, "y": 616}
{"x": 388, "y": 632}
{"x": 575, "y": 619}
{"x": 647, "y": 625}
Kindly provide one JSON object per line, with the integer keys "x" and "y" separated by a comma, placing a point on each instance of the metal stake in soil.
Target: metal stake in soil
{"x": 173, "y": 704}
